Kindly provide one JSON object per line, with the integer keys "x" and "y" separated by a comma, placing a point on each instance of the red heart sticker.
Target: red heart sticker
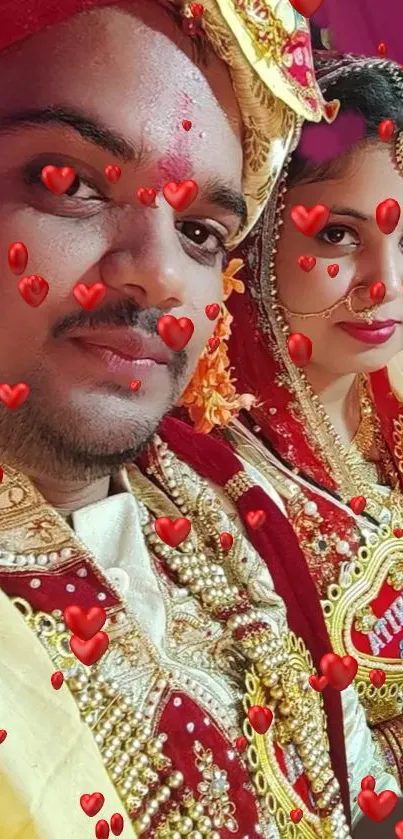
{"x": 382, "y": 50}
{"x": 175, "y": 332}
{"x": 3, "y": 735}
{"x": 84, "y": 624}
{"x": 368, "y": 782}
{"x": 146, "y": 196}
{"x": 306, "y": 8}
{"x": 113, "y": 173}
{"x": 186, "y": 124}
{"x": 333, "y": 270}
{"x": 117, "y": 824}
{"x": 386, "y": 130}
{"x": 256, "y": 518}
{"x": 57, "y": 680}
{"x": 89, "y": 652}
{"x": 197, "y": 9}
{"x": 58, "y": 180}
{"x": 340, "y": 671}
{"x": 260, "y": 718}
{"x": 17, "y": 258}
{"x": 388, "y": 215}
{"x": 358, "y": 504}
{"x": 102, "y": 829}
{"x": 172, "y": 531}
{"x": 89, "y": 296}
{"x": 377, "y": 292}
{"x": 1, "y": 474}
{"x": 310, "y": 222}
{"x": 92, "y": 804}
{"x": 377, "y": 807}
{"x": 33, "y": 289}
{"x": 213, "y": 343}
{"x": 212, "y": 310}
{"x": 377, "y": 678}
{"x": 14, "y": 397}
{"x": 306, "y": 263}
{"x": 226, "y": 541}
{"x": 296, "y": 815}
{"x": 299, "y": 349}
{"x": 398, "y": 532}
{"x": 241, "y": 743}
{"x": 399, "y": 830}
{"x": 135, "y": 385}
{"x": 180, "y": 196}
{"x": 318, "y": 683}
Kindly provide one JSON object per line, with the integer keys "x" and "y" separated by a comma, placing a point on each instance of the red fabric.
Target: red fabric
{"x": 19, "y": 20}
{"x": 277, "y": 545}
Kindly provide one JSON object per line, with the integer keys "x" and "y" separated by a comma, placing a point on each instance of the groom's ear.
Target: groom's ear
{"x": 367, "y": 829}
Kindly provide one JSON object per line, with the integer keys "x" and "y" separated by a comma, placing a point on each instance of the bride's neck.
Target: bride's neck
{"x": 339, "y": 397}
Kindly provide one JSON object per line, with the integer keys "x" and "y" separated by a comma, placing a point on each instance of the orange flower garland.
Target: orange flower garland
{"x": 211, "y": 398}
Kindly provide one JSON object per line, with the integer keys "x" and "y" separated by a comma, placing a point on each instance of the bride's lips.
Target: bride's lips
{"x": 378, "y": 332}
{"x": 122, "y": 350}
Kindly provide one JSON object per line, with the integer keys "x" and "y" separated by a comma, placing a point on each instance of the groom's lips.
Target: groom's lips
{"x": 122, "y": 353}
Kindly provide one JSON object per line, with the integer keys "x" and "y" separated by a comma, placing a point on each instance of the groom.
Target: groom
{"x": 156, "y": 726}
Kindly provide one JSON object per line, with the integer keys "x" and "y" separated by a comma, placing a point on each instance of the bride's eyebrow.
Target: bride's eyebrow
{"x": 348, "y": 211}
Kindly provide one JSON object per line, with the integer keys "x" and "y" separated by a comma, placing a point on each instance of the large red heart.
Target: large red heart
{"x": 212, "y": 310}
{"x": 57, "y": 680}
{"x": 399, "y": 830}
{"x": 388, "y": 215}
{"x": 260, "y": 718}
{"x": 306, "y": 8}
{"x": 310, "y": 222}
{"x": 318, "y": 683}
{"x": 306, "y": 263}
{"x": 299, "y": 349}
{"x": 92, "y": 804}
{"x": 197, "y": 9}
{"x": 33, "y": 289}
{"x": 112, "y": 173}
{"x": 146, "y": 196}
{"x": 386, "y": 130}
{"x": 58, "y": 180}
{"x": 377, "y": 807}
{"x": 84, "y": 624}
{"x": 296, "y": 815}
{"x": 17, "y": 257}
{"x": 89, "y": 652}
{"x": 377, "y": 292}
{"x": 377, "y": 678}
{"x": 333, "y": 270}
{"x": 14, "y": 397}
{"x": 180, "y": 196}
{"x": 172, "y": 531}
{"x": 102, "y": 829}
{"x": 226, "y": 540}
{"x": 340, "y": 671}
{"x": 117, "y": 824}
{"x": 89, "y": 296}
{"x": 175, "y": 332}
{"x": 256, "y": 518}
{"x": 358, "y": 504}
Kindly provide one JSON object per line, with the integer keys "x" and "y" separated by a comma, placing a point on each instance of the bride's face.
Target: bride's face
{"x": 365, "y": 255}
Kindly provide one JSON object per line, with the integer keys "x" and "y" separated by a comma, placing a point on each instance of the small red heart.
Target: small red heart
{"x": 117, "y": 824}
{"x": 146, "y": 196}
{"x": 172, "y": 531}
{"x": 113, "y": 173}
{"x": 186, "y": 124}
{"x": 175, "y": 332}
{"x": 212, "y": 310}
{"x": 84, "y": 624}
{"x": 318, "y": 683}
{"x": 256, "y": 518}
{"x": 332, "y": 109}
{"x": 368, "y": 782}
{"x": 333, "y": 270}
{"x": 89, "y": 296}
{"x": 180, "y": 196}
{"x": 306, "y": 263}
{"x": 299, "y": 349}
{"x": 358, "y": 504}
{"x": 226, "y": 541}
{"x": 382, "y": 50}
{"x": 213, "y": 343}
{"x": 377, "y": 678}
{"x": 398, "y": 532}
{"x": 58, "y": 180}
{"x": 386, "y": 130}
{"x": 306, "y": 8}
{"x": 340, "y": 671}
{"x": 388, "y": 215}
{"x": 377, "y": 292}
{"x": 89, "y": 652}
{"x": 135, "y": 385}
{"x": 310, "y": 222}
{"x": 399, "y": 830}
{"x": 33, "y": 289}
{"x": 241, "y": 743}
{"x": 14, "y": 397}
{"x": 296, "y": 815}
{"x": 57, "y": 680}
{"x": 17, "y": 258}
{"x": 377, "y": 807}
{"x": 197, "y": 9}
{"x": 102, "y": 829}
{"x": 92, "y": 804}
{"x": 260, "y": 718}
{"x": 3, "y": 735}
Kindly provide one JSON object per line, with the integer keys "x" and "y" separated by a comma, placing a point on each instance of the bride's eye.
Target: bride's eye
{"x": 336, "y": 234}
